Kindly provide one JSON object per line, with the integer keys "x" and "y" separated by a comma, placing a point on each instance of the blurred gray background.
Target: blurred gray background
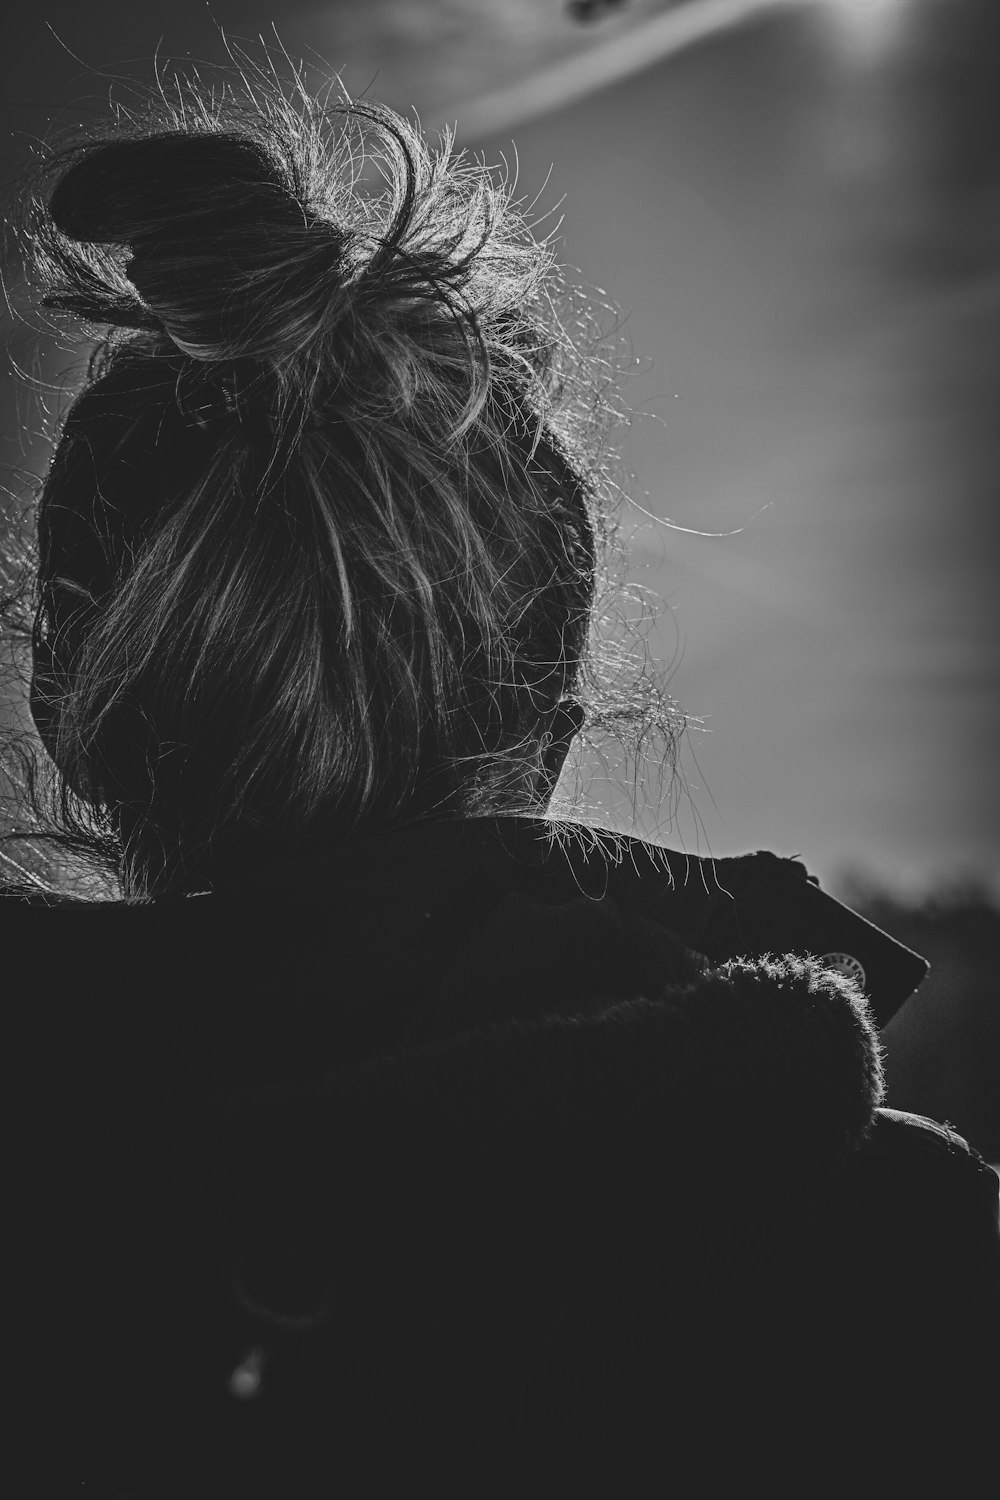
{"x": 795, "y": 206}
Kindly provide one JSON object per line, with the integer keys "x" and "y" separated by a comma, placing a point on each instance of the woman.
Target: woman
{"x": 384, "y": 1130}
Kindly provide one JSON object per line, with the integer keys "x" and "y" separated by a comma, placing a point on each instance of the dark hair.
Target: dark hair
{"x": 321, "y": 540}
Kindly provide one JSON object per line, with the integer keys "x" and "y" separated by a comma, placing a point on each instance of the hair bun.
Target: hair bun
{"x": 225, "y": 255}
{"x": 133, "y": 192}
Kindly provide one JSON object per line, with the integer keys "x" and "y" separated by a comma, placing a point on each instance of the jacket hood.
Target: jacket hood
{"x": 395, "y": 1111}
{"x": 370, "y": 941}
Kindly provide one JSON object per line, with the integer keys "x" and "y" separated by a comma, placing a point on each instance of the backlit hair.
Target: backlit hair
{"x": 322, "y": 536}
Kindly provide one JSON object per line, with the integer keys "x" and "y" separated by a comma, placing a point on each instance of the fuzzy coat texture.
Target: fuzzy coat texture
{"x": 446, "y": 1160}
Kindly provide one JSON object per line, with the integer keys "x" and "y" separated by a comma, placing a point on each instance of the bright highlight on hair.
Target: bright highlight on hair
{"x": 322, "y": 539}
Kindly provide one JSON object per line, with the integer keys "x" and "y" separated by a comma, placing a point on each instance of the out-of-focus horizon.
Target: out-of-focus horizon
{"x": 795, "y": 205}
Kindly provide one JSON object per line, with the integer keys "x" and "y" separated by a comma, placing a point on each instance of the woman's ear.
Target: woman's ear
{"x": 562, "y": 728}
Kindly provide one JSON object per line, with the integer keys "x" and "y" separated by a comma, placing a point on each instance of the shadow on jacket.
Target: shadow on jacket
{"x": 444, "y": 1159}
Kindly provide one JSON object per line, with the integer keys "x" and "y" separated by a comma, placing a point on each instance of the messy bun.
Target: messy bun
{"x": 319, "y": 545}
{"x": 224, "y": 257}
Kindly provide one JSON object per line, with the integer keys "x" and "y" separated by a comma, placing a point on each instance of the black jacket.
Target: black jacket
{"x": 458, "y": 1156}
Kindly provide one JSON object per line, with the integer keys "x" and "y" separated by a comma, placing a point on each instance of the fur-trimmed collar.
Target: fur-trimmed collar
{"x": 454, "y": 1118}
{"x": 471, "y": 1149}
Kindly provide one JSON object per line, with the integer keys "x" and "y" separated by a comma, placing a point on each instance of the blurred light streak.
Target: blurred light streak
{"x": 867, "y": 29}
{"x": 641, "y": 48}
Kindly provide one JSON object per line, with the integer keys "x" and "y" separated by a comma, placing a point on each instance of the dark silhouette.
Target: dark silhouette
{"x": 384, "y": 1130}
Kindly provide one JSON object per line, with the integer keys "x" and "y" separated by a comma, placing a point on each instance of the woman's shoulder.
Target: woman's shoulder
{"x": 926, "y": 1167}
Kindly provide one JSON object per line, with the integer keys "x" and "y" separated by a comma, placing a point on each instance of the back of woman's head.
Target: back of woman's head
{"x": 317, "y": 546}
